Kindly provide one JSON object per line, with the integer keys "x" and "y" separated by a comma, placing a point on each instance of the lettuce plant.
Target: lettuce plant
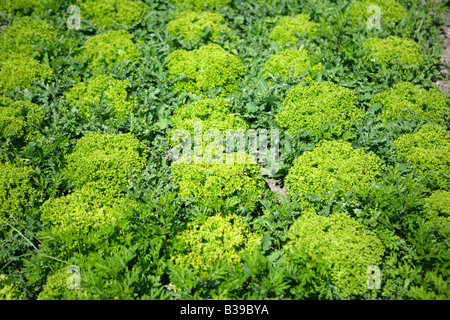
{"x": 218, "y": 239}
{"x": 199, "y": 5}
{"x": 19, "y": 7}
{"x": 342, "y": 243}
{"x": 107, "y": 50}
{"x": 404, "y": 100}
{"x": 17, "y": 193}
{"x": 106, "y": 12}
{"x": 105, "y": 159}
{"x": 330, "y": 163}
{"x": 289, "y": 28}
{"x": 391, "y": 10}
{"x": 97, "y": 167}
{"x": 309, "y": 107}
{"x": 55, "y": 288}
{"x": 427, "y": 151}
{"x": 191, "y": 25}
{"x": 438, "y": 204}
{"x": 212, "y": 113}
{"x": 19, "y": 70}
{"x": 291, "y": 62}
{"x": 207, "y": 67}
{"x": 23, "y": 34}
{"x": 85, "y": 210}
{"x": 209, "y": 181}
{"x": 8, "y": 291}
{"x": 115, "y": 92}
{"x": 27, "y": 7}
{"x": 19, "y": 121}
{"x": 394, "y": 49}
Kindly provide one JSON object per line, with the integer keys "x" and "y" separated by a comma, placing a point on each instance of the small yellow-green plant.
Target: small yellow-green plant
{"x": 191, "y": 25}
{"x": 404, "y": 100}
{"x": 20, "y": 70}
{"x": 342, "y": 243}
{"x": 319, "y": 103}
{"x": 8, "y": 291}
{"x": 219, "y": 239}
{"x": 437, "y": 204}
{"x": 427, "y": 150}
{"x": 115, "y": 92}
{"x": 290, "y": 28}
{"x": 56, "y": 288}
{"x": 212, "y": 113}
{"x": 97, "y": 167}
{"x": 18, "y": 121}
{"x": 23, "y": 34}
{"x": 209, "y": 181}
{"x": 207, "y": 67}
{"x": 26, "y": 7}
{"x": 105, "y": 159}
{"x": 85, "y": 210}
{"x": 390, "y": 10}
{"x": 106, "y": 12}
{"x": 292, "y": 62}
{"x": 16, "y": 190}
{"x": 394, "y": 49}
{"x": 199, "y": 5}
{"x": 19, "y": 7}
{"x": 332, "y": 162}
{"x": 107, "y": 50}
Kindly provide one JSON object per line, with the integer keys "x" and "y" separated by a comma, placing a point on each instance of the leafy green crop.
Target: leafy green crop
{"x": 330, "y": 163}
{"x": 105, "y": 160}
{"x": 98, "y": 166}
{"x": 311, "y": 106}
{"x": 20, "y": 7}
{"x": 91, "y": 127}
{"x": 108, "y": 49}
{"x": 342, "y": 243}
{"x": 289, "y": 28}
{"x": 394, "y": 49}
{"x": 390, "y": 10}
{"x": 218, "y": 239}
{"x": 23, "y": 34}
{"x": 56, "y": 288}
{"x": 8, "y": 291}
{"x": 405, "y": 100}
{"x": 208, "y": 181}
{"x": 291, "y": 62}
{"x": 115, "y": 92}
{"x": 211, "y": 113}
{"x": 19, "y": 70}
{"x": 199, "y": 5}
{"x": 17, "y": 192}
{"x": 26, "y": 7}
{"x": 106, "y": 12}
{"x": 84, "y": 211}
{"x": 207, "y": 67}
{"x": 191, "y": 25}
{"x": 438, "y": 204}
{"x": 19, "y": 121}
{"x": 428, "y": 151}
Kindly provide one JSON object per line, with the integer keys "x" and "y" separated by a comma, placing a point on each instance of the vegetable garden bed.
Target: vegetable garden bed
{"x": 141, "y": 142}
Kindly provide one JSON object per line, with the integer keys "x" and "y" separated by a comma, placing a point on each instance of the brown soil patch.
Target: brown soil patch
{"x": 272, "y": 184}
{"x": 445, "y": 57}
{"x": 3, "y": 25}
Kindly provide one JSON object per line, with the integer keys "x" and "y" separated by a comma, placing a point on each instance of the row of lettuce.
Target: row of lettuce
{"x": 127, "y": 248}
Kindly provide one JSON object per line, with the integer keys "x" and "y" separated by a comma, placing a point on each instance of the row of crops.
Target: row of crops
{"x": 95, "y": 203}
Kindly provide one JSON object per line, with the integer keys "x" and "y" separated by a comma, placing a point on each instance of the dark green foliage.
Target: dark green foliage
{"x": 88, "y": 177}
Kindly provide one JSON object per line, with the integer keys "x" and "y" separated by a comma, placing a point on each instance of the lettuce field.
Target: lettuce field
{"x": 228, "y": 149}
